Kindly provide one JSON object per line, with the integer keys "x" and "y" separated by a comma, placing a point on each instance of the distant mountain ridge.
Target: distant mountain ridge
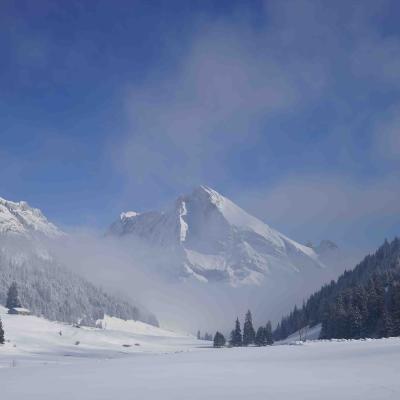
{"x": 213, "y": 239}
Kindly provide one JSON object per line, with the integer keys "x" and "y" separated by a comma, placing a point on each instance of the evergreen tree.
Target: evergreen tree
{"x": 326, "y": 324}
{"x": 12, "y": 296}
{"x": 236, "y": 335}
{"x": 268, "y": 334}
{"x": 385, "y": 325}
{"x": 340, "y": 316}
{"x": 376, "y": 293}
{"x": 1, "y": 333}
{"x": 248, "y": 330}
{"x": 359, "y": 301}
{"x": 198, "y": 335}
{"x": 277, "y": 334}
{"x": 261, "y": 339}
{"x": 355, "y": 323}
{"x": 219, "y": 340}
{"x": 395, "y": 308}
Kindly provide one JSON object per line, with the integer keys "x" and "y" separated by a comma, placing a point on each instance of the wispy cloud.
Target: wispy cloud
{"x": 231, "y": 80}
{"x": 236, "y": 76}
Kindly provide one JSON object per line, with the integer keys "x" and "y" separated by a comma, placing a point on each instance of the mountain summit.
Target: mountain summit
{"x": 19, "y": 218}
{"x": 216, "y": 240}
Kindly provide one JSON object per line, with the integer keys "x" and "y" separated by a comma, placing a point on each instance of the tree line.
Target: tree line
{"x": 364, "y": 302}
{"x": 261, "y": 337}
{"x": 206, "y": 336}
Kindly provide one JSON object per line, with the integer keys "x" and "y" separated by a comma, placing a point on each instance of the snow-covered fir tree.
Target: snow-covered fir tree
{"x": 248, "y": 330}
{"x": 236, "y": 335}
{"x": 261, "y": 339}
{"x": 13, "y": 300}
{"x": 219, "y": 339}
{"x": 268, "y": 334}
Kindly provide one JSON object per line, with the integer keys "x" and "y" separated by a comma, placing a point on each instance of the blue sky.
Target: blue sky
{"x": 291, "y": 108}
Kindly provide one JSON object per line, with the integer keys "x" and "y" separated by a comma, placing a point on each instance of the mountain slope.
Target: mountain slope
{"x": 46, "y": 286}
{"x": 32, "y": 340}
{"x": 49, "y": 289}
{"x": 363, "y": 302}
{"x": 212, "y": 239}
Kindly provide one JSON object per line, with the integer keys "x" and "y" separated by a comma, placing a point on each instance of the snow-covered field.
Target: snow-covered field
{"x": 165, "y": 365}
{"x": 330, "y": 370}
{"x": 36, "y": 341}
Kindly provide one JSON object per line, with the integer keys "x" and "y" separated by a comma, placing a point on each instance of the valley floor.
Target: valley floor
{"x": 132, "y": 360}
{"x": 315, "y": 370}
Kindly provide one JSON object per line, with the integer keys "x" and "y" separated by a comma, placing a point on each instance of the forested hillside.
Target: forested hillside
{"x": 364, "y": 302}
{"x": 50, "y": 290}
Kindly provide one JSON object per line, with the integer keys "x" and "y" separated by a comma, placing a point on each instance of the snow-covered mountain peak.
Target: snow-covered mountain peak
{"x": 205, "y": 193}
{"x": 19, "y": 218}
{"x": 128, "y": 214}
{"x": 207, "y": 199}
{"x": 214, "y": 239}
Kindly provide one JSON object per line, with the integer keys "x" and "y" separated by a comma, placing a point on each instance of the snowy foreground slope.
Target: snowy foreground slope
{"x": 166, "y": 365}
{"x": 316, "y": 370}
{"x": 32, "y": 340}
{"x": 209, "y": 238}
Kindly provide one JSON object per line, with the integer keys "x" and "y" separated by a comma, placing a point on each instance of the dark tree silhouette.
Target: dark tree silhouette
{"x": 248, "y": 330}
{"x": 1, "y": 333}
{"x": 219, "y": 340}
{"x": 12, "y": 296}
{"x": 236, "y": 335}
{"x": 261, "y": 338}
{"x": 268, "y": 334}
